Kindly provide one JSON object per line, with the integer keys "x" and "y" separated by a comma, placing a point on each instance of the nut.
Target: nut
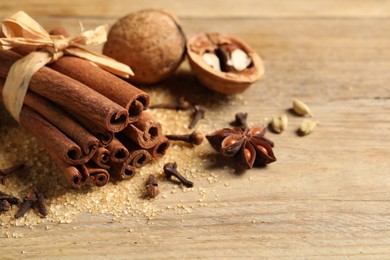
{"x": 238, "y": 65}
{"x": 307, "y": 127}
{"x": 150, "y": 41}
{"x": 279, "y": 123}
{"x": 301, "y": 108}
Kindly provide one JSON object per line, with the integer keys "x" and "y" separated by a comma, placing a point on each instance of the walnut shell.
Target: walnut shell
{"x": 226, "y": 82}
{"x": 150, "y": 41}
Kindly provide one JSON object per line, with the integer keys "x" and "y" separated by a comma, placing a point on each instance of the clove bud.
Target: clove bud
{"x": 42, "y": 207}
{"x": 198, "y": 114}
{"x": 170, "y": 169}
{"x": 26, "y": 205}
{"x": 4, "y": 205}
{"x": 195, "y": 138}
{"x": 240, "y": 120}
{"x": 10, "y": 170}
{"x": 152, "y": 186}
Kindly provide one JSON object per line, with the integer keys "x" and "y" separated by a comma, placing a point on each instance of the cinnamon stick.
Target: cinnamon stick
{"x": 118, "y": 152}
{"x": 97, "y": 176}
{"x": 63, "y": 121}
{"x": 54, "y": 142}
{"x": 160, "y": 148}
{"x": 102, "y": 158}
{"x": 123, "y": 171}
{"x": 77, "y": 175}
{"x": 103, "y": 135}
{"x": 107, "y": 84}
{"x": 73, "y": 96}
{"x": 145, "y": 131}
{"x": 114, "y": 88}
{"x": 138, "y": 157}
{"x": 52, "y": 138}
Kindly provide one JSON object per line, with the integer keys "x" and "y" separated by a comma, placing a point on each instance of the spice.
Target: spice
{"x": 240, "y": 120}
{"x": 247, "y": 147}
{"x": 170, "y": 169}
{"x": 279, "y": 123}
{"x": 118, "y": 152}
{"x": 107, "y": 84}
{"x": 152, "y": 186}
{"x": 4, "y": 205}
{"x": 10, "y": 198}
{"x": 195, "y": 138}
{"x": 27, "y": 204}
{"x": 72, "y": 95}
{"x": 223, "y": 63}
{"x": 145, "y": 132}
{"x": 41, "y": 203}
{"x": 301, "y": 108}
{"x": 10, "y": 170}
{"x": 160, "y": 148}
{"x": 198, "y": 114}
{"x": 102, "y": 157}
{"x": 307, "y": 127}
{"x": 97, "y": 176}
{"x": 181, "y": 104}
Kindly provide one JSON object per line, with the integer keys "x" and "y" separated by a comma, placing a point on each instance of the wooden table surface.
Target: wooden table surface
{"x": 328, "y": 195}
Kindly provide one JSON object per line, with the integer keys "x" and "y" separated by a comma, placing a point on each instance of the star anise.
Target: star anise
{"x": 248, "y": 147}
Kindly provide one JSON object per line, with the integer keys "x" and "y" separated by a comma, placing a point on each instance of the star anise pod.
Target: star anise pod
{"x": 248, "y": 147}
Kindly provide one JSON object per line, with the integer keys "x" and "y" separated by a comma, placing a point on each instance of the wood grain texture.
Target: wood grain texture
{"x": 328, "y": 193}
{"x": 203, "y": 8}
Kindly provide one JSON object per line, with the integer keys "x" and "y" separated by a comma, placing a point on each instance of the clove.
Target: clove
{"x": 170, "y": 169}
{"x": 26, "y": 205}
{"x": 240, "y": 120}
{"x": 41, "y": 203}
{"x": 181, "y": 104}
{"x": 195, "y": 138}
{"x": 10, "y": 170}
{"x": 10, "y": 198}
{"x": 198, "y": 114}
{"x": 4, "y": 205}
{"x": 152, "y": 186}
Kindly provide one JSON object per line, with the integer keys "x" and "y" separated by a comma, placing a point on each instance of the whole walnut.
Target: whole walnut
{"x": 150, "y": 41}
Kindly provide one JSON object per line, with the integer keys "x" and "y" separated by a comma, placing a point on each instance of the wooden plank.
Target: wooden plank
{"x": 203, "y": 8}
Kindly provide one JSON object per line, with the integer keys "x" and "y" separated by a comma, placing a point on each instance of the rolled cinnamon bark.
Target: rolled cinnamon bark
{"x": 100, "y": 80}
{"x": 123, "y": 171}
{"x": 63, "y": 121}
{"x": 97, "y": 176}
{"x": 118, "y": 152}
{"x": 103, "y": 135}
{"x": 160, "y": 148}
{"x": 55, "y": 143}
{"x": 72, "y": 95}
{"x": 145, "y": 131}
{"x": 139, "y": 158}
{"x": 77, "y": 175}
{"x": 102, "y": 158}
{"x": 130, "y": 172}
{"x": 52, "y": 138}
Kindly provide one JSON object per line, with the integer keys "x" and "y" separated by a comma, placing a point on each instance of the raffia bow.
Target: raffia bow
{"x": 21, "y": 29}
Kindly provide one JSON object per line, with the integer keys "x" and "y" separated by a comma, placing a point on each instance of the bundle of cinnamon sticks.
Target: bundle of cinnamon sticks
{"x": 93, "y": 125}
